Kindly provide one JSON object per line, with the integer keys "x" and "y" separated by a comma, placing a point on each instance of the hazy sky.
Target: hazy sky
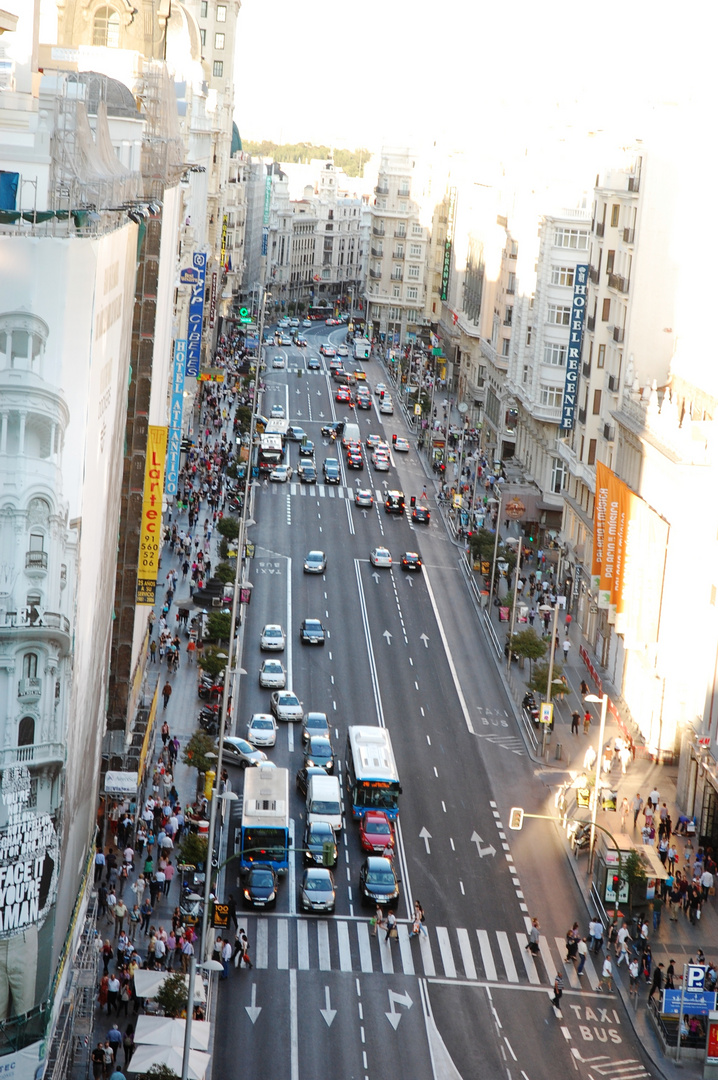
{"x": 464, "y": 72}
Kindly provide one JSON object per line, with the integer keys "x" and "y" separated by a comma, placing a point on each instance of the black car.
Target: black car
{"x": 331, "y": 471}
{"x": 318, "y": 751}
{"x": 308, "y": 475}
{"x": 259, "y": 888}
{"x": 300, "y": 342}
{"x": 306, "y": 448}
{"x": 411, "y": 560}
{"x": 303, "y": 778}
{"x": 311, "y": 632}
{"x": 337, "y": 428}
{"x": 378, "y": 883}
{"x": 394, "y": 502}
{"x": 364, "y": 401}
{"x": 421, "y": 514}
{"x": 316, "y": 835}
{"x": 313, "y": 363}
{"x": 355, "y": 460}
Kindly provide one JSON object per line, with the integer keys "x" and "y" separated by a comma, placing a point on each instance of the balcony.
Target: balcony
{"x": 397, "y": 277}
{"x": 582, "y": 416}
{"x": 609, "y": 432}
{"x": 593, "y": 274}
{"x": 591, "y": 322}
{"x": 398, "y": 255}
{"x": 612, "y": 384}
{"x": 550, "y": 414}
{"x": 634, "y": 183}
{"x": 511, "y": 291}
{"x": 377, "y": 253}
{"x": 29, "y": 618}
{"x": 586, "y": 369}
{"x": 618, "y": 334}
{"x": 29, "y": 689}
{"x": 380, "y": 190}
{"x": 615, "y": 281}
{"x": 600, "y": 228}
{"x": 400, "y": 234}
{"x": 629, "y": 236}
{"x": 376, "y": 231}
{"x": 36, "y": 562}
{"x": 37, "y": 754}
{"x": 375, "y": 274}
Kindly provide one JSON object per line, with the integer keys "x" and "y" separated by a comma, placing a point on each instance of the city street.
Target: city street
{"x": 405, "y": 651}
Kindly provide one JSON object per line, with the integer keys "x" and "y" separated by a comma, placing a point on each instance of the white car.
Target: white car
{"x": 401, "y": 444}
{"x": 342, "y": 350}
{"x": 262, "y": 730}
{"x": 286, "y": 705}
{"x": 380, "y": 556}
{"x": 278, "y": 362}
{"x": 277, "y": 412}
{"x": 307, "y": 322}
{"x": 273, "y": 638}
{"x": 386, "y": 406}
{"x": 280, "y": 474}
{"x": 364, "y": 497}
{"x": 380, "y": 386}
{"x": 272, "y": 675}
{"x": 381, "y": 462}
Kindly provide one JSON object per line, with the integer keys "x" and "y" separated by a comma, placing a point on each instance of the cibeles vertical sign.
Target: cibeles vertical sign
{"x": 573, "y": 360}
{"x": 174, "y": 442}
{"x": 196, "y": 315}
{"x": 151, "y": 527}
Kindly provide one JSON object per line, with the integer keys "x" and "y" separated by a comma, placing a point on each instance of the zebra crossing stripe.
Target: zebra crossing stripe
{"x": 487, "y": 958}
{"x": 262, "y": 943}
{"x": 407, "y": 959}
{"x": 364, "y": 947}
{"x": 345, "y": 953}
{"x": 325, "y": 960}
{"x": 548, "y": 962}
{"x": 529, "y": 962}
{"x": 303, "y": 945}
{"x": 387, "y": 961}
{"x": 506, "y": 955}
{"x": 321, "y": 489}
{"x": 590, "y": 971}
{"x": 282, "y": 944}
{"x": 427, "y": 957}
{"x": 569, "y": 967}
{"x": 467, "y": 958}
{"x": 447, "y": 957}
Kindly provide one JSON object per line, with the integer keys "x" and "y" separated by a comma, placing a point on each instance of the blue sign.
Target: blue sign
{"x": 695, "y": 1003}
{"x": 578, "y": 311}
{"x": 196, "y": 314}
{"x": 174, "y": 439}
{"x": 188, "y": 276}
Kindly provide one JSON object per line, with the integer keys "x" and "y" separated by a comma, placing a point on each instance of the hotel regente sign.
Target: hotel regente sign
{"x": 573, "y": 360}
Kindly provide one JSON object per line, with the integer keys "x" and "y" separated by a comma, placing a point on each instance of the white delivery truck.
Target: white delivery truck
{"x": 324, "y": 801}
{"x": 362, "y": 348}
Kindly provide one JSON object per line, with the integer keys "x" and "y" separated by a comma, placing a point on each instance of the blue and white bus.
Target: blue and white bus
{"x": 371, "y": 778}
{"x": 264, "y": 834}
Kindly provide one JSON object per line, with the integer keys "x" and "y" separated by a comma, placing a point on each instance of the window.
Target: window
{"x": 562, "y": 275}
{"x": 606, "y": 310}
{"x": 591, "y": 451}
{"x": 203, "y": 37}
{"x": 221, "y": 13}
{"x": 26, "y": 731}
{"x": 610, "y": 259}
{"x": 615, "y": 213}
{"x": 528, "y": 335}
{"x": 551, "y": 396}
{"x": 525, "y": 374}
{"x": 394, "y": 313}
{"x": 412, "y": 293}
{"x": 559, "y": 473}
{"x": 505, "y": 346}
{"x": 416, "y": 230}
{"x": 559, "y": 315}
{"x": 401, "y": 229}
{"x": 203, "y": 9}
{"x": 411, "y": 315}
{"x": 219, "y": 41}
{"x": 404, "y": 188}
{"x": 415, "y": 250}
{"x": 396, "y": 292}
{"x": 218, "y": 69}
{"x": 414, "y": 272}
{"x": 29, "y": 666}
{"x": 596, "y": 403}
{"x": 37, "y": 541}
{"x": 508, "y": 316}
{"x": 106, "y": 28}
{"x": 601, "y": 356}
{"x": 554, "y": 354}
{"x": 571, "y": 238}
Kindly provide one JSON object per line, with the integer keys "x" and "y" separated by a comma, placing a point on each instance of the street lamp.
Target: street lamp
{"x": 209, "y": 965}
{"x": 496, "y": 547}
{"x": 602, "y": 727}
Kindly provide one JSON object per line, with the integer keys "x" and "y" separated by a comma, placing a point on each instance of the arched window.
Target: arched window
{"x": 26, "y": 732}
{"x": 106, "y": 28}
{"x": 29, "y": 666}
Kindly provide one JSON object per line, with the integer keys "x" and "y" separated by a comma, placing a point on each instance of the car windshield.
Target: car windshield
{"x": 262, "y": 879}
{"x": 288, "y": 699}
{"x": 262, "y": 724}
{"x": 382, "y": 878}
{"x": 315, "y": 884}
{"x": 272, "y": 632}
{"x": 324, "y": 806}
{"x": 244, "y": 746}
{"x": 379, "y": 827}
{"x": 274, "y": 666}
{"x": 313, "y": 624}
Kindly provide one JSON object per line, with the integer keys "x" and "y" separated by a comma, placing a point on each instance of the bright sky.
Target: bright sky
{"x": 387, "y": 71}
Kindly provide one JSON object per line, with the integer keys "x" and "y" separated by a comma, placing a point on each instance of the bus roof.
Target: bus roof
{"x": 268, "y": 441}
{"x": 276, "y": 427}
{"x": 373, "y": 754}
{"x": 266, "y": 796}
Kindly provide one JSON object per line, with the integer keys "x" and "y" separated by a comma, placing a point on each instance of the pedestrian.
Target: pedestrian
{"x": 153, "y": 652}
{"x": 231, "y": 911}
{"x": 657, "y": 908}
{"x": 391, "y": 930}
{"x": 566, "y": 645}
{"x": 166, "y": 694}
{"x": 586, "y": 721}
{"x": 557, "y": 991}
{"x": 187, "y": 952}
{"x": 109, "y": 1060}
{"x": 582, "y": 952}
{"x": 99, "y": 865}
{"x": 706, "y": 881}
{"x": 670, "y": 975}
{"x": 584, "y": 688}
{"x": 419, "y": 921}
{"x": 633, "y": 973}
{"x": 98, "y": 1061}
{"x": 606, "y": 974}
{"x": 120, "y": 916}
{"x": 245, "y": 949}
{"x": 636, "y": 806}
{"x": 625, "y": 808}
{"x": 575, "y": 717}
{"x": 657, "y": 983}
{"x": 128, "y": 1043}
{"x": 622, "y": 938}
{"x": 567, "y": 623}
{"x": 596, "y": 928}
{"x": 377, "y": 921}
{"x": 534, "y": 936}
{"x": 226, "y": 957}
{"x": 146, "y": 913}
{"x": 113, "y": 995}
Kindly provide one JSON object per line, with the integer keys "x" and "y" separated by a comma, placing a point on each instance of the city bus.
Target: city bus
{"x": 264, "y": 836}
{"x": 371, "y": 777}
{"x": 271, "y": 452}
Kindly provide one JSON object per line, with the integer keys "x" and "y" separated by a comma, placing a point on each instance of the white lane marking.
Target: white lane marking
{"x": 345, "y": 955}
{"x": 447, "y": 653}
{"x": 293, "y": 1026}
{"x": 407, "y": 959}
{"x": 282, "y": 944}
{"x": 529, "y": 962}
{"x": 387, "y": 960}
{"x": 262, "y": 943}
{"x": 292, "y": 874}
{"x": 467, "y": 958}
{"x": 447, "y": 957}
{"x": 303, "y": 945}
{"x": 507, "y": 956}
{"x": 364, "y": 947}
{"x": 486, "y": 956}
{"x": 427, "y": 957}
{"x": 325, "y": 960}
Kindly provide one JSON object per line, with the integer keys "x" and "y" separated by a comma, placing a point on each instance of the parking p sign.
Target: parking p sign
{"x": 695, "y": 977}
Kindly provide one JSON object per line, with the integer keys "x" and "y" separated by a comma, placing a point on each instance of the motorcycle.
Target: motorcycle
{"x": 581, "y": 838}
{"x": 530, "y": 707}
{"x": 208, "y": 688}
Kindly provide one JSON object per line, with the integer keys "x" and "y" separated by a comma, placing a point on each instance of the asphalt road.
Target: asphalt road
{"x": 326, "y": 998}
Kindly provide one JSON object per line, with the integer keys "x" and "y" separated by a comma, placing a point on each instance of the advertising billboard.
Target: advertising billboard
{"x": 174, "y": 438}
{"x": 151, "y": 525}
{"x": 196, "y": 315}
{"x": 573, "y": 358}
{"x": 65, "y": 330}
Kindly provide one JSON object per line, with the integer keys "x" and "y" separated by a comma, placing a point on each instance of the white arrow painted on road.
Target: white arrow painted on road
{"x": 376, "y": 578}
{"x": 425, "y": 835}
{"x": 425, "y": 639}
{"x": 319, "y": 394}
{"x": 411, "y": 583}
{"x": 385, "y": 483}
{"x": 253, "y": 1010}
{"x": 476, "y": 839}
{"x": 328, "y": 1012}
{"x": 397, "y": 999}
{"x": 387, "y": 635}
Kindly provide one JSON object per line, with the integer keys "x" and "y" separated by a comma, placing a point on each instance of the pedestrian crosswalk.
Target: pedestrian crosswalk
{"x": 452, "y": 953}
{"x": 324, "y": 491}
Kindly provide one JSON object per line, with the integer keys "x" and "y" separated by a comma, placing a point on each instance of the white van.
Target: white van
{"x": 324, "y": 801}
{"x": 351, "y": 433}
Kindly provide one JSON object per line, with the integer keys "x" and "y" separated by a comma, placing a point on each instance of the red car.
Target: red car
{"x": 376, "y": 833}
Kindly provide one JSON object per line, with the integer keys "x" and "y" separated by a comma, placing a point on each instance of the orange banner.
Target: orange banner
{"x": 608, "y": 586}
{"x": 599, "y": 522}
{"x": 151, "y": 525}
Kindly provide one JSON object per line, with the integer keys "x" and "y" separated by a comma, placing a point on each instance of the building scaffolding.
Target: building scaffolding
{"x": 69, "y": 1056}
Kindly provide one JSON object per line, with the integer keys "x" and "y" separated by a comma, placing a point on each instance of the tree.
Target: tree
{"x": 633, "y": 873}
{"x": 528, "y": 644}
{"x": 213, "y": 662}
{"x": 243, "y": 418}
{"x": 163, "y": 1072}
{"x": 196, "y": 750}
{"x": 225, "y": 573}
{"x": 228, "y": 527}
{"x": 539, "y": 680}
{"x": 219, "y": 626}
{"x": 172, "y": 999}
{"x": 193, "y": 849}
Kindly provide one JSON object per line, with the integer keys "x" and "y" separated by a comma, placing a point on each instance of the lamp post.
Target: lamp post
{"x": 551, "y": 650}
{"x": 496, "y": 547}
{"x": 516, "y": 596}
{"x": 602, "y": 727}
{"x": 210, "y": 965}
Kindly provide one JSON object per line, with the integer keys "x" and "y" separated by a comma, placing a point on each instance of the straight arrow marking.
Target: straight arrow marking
{"x": 425, "y": 639}
{"x": 476, "y": 839}
{"x": 387, "y": 635}
{"x": 253, "y": 1010}
{"x": 425, "y": 835}
{"x": 328, "y": 1012}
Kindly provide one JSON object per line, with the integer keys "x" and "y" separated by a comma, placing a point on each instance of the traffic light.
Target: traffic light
{"x": 328, "y": 853}
{"x": 381, "y": 396}
{"x": 616, "y": 884}
{"x": 516, "y": 818}
{"x": 393, "y": 440}
{"x": 413, "y": 497}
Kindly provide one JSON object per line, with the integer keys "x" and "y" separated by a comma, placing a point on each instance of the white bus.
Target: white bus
{"x": 362, "y": 348}
{"x": 265, "y": 818}
{"x": 372, "y": 778}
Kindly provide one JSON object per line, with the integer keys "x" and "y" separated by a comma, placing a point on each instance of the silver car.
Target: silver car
{"x": 315, "y": 563}
{"x": 272, "y": 675}
{"x": 272, "y": 639}
{"x": 286, "y": 706}
{"x": 240, "y": 752}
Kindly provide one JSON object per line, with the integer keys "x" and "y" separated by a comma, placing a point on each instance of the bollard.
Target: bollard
{"x": 558, "y": 751}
